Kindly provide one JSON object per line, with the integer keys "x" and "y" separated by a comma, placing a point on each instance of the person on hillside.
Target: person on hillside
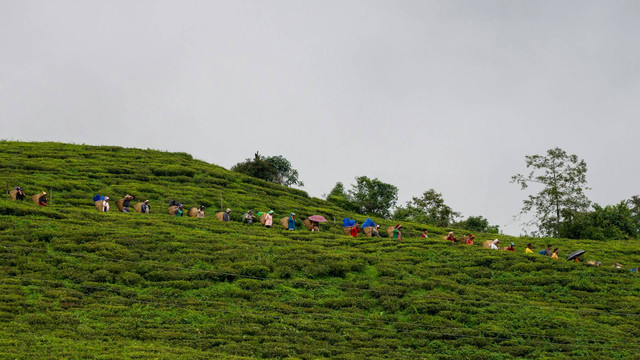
{"x": 397, "y": 234}
{"x": 126, "y": 203}
{"x": 145, "y": 208}
{"x": 511, "y": 247}
{"x": 180, "y": 210}
{"x": 495, "y": 245}
{"x": 315, "y": 226}
{"x": 226, "y": 216}
{"x": 470, "y": 239}
{"x": 42, "y": 201}
{"x": 200, "y": 212}
{"x": 425, "y": 234}
{"x": 105, "y": 204}
{"x": 354, "y": 230}
{"x": 529, "y": 249}
{"x": 554, "y": 255}
{"x": 291, "y": 224}
{"x": 20, "y": 195}
{"x": 268, "y": 219}
{"x": 375, "y": 232}
{"x": 546, "y": 252}
{"x": 248, "y": 217}
{"x": 451, "y": 238}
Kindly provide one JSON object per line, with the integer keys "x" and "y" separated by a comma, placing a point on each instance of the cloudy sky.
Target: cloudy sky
{"x": 449, "y": 95}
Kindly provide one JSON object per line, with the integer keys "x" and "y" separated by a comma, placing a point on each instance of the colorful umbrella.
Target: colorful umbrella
{"x": 317, "y": 218}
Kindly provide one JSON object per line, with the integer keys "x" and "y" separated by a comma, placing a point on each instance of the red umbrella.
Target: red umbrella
{"x": 317, "y": 218}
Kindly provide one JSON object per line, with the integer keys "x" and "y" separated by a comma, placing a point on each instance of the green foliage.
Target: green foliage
{"x": 341, "y": 198}
{"x": 563, "y": 180}
{"x": 603, "y": 223}
{"x": 429, "y": 208}
{"x": 275, "y": 169}
{"x": 478, "y": 224}
{"x": 373, "y": 197}
{"x": 76, "y": 283}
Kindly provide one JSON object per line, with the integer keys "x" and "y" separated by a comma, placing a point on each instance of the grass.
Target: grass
{"x": 76, "y": 283}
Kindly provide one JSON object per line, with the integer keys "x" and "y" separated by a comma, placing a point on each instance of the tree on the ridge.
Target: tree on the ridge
{"x": 478, "y": 224}
{"x": 340, "y": 197}
{"x": 275, "y": 169}
{"x": 372, "y": 196}
{"x": 429, "y": 208}
{"x": 563, "y": 181}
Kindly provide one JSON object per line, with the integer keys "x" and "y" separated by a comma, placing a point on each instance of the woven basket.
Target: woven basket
{"x": 13, "y": 194}
{"x": 347, "y": 230}
{"x": 172, "y": 210}
{"x": 99, "y": 205}
{"x": 307, "y": 224}
{"x": 219, "y": 216}
{"x": 193, "y": 212}
{"x": 285, "y": 222}
{"x": 368, "y": 231}
{"x": 262, "y": 219}
{"x": 119, "y": 204}
{"x": 138, "y": 207}
{"x": 36, "y": 198}
{"x": 390, "y": 231}
{"x": 487, "y": 244}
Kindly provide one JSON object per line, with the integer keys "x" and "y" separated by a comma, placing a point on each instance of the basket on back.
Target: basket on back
{"x": 99, "y": 205}
{"x": 347, "y": 230}
{"x": 138, "y": 207}
{"x": 14, "y": 194}
{"x": 390, "y": 231}
{"x": 487, "y": 244}
{"x": 120, "y": 204}
{"x": 36, "y": 198}
{"x": 193, "y": 212}
{"x": 368, "y": 231}
{"x": 263, "y": 218}
{"x": 308, "y": 224}
{"x": 219, "y": 216}
{"x": 172, "y": 210}
{"x": 285, "y": 222}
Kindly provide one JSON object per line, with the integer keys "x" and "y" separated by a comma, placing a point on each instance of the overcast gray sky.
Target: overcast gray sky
{"x": 449, "y": 95}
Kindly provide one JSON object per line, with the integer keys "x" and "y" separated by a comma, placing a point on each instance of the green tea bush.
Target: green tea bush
{"x": 76, "y": 283}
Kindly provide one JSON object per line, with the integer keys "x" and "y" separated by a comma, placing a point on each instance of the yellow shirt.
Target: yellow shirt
{"x": 528, "y": 251}
{"x": 554, "y": 256}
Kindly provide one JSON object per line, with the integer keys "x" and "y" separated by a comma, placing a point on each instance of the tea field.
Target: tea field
{"x": 79, "y": 284}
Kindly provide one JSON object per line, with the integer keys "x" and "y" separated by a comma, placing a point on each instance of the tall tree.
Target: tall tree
{"x": 340, "y": 197}
{"x": 372, "y": 196}
{"x": 562, "y": 179}
{"x": 429, "y": 208}
{"x": 275, "y": 169}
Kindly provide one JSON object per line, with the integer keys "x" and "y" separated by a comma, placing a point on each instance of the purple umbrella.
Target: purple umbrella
{"x": 317, "y": 218}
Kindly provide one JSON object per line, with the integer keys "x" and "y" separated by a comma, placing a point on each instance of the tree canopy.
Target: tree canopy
{"x": 562, "y": 181}
{"x": 275, "y": 169}
{"x": 429, "y": 208}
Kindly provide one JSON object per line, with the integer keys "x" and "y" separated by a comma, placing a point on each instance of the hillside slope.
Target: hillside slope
{"x": 76, "y": 283}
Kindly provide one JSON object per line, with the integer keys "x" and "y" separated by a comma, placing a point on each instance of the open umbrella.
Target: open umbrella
{"x": 317, "y": 218}
{"x": 575, "y": 254}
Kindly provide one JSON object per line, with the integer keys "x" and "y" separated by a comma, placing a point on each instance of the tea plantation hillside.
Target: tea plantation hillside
{"x": 79, "y": 284}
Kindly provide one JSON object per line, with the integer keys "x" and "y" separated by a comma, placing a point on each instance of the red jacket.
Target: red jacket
{"x": 355, "y": 231}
